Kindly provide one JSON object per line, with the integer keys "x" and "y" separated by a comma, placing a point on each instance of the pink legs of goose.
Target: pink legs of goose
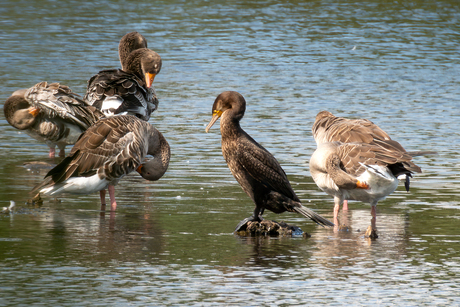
{"x": 113, "y": 203}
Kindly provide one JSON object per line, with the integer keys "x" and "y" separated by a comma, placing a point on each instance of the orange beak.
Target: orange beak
{"x": 149, "y": 79}
{"x": 34, "y": 111}
{"x": 362, "y": 185}
{"x": 139, "y": 169}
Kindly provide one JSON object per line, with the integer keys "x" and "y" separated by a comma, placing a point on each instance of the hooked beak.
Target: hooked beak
{"x": 149, "y": 77}
{"x": 34, "y": 111}
{"x": 215, "y": 116}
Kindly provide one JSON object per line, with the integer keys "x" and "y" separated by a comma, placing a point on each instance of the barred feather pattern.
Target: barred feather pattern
{"x": 112, "y": 148}
{"x": 126, "y": 89}
{"x": 60, "y": 116}
{"x": 58, "y": 101}
{"x": 329, "y": 128}
{"x": 133, "y": 97}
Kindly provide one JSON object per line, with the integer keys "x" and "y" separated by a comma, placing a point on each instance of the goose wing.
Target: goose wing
{"x": 127, "y": 90}
{"x": 354, "y": 156}
{"x": 113, "y": 147}
{"x": 329, "y": 128}
{"x": 58, "y": 101}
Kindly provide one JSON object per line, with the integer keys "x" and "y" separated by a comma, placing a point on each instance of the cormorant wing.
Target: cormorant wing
{"x": 263, "y": 167}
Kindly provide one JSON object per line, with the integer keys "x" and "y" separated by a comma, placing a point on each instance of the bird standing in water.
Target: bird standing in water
{"x": 256, "y": 170}
{"x": 50, "y": 113}
{"x": 110, "y": 149}
{"x": 357, "y": 160}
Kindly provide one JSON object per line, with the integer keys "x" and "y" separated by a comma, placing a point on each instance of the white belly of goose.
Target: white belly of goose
{"x": 381, "y": 184}
{"x": 110, "y": 104}
{"x": 77, "y": 185}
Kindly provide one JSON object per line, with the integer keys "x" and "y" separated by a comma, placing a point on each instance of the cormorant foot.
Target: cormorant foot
{"x": 242, "y": 225}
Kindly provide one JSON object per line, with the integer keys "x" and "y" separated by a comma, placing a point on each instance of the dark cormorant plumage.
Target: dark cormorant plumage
{"x": 256, "y": 170}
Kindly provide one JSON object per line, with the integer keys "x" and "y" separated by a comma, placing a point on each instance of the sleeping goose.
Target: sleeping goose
{"x": 105, "y": 153}
{"x": 128, "y": 90}
{"x": 50, "y": 113}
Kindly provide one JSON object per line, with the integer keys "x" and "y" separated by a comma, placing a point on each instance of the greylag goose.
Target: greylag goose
{"x": 329, "y": 128}
{"x": 256, "y": 170}
{"x": 105, "y": 153}
{"x": 128, "y": 90}
{"x": 128, "y": 43}
{"x": 357, "y": 160}
{"x": 50, "y": 113}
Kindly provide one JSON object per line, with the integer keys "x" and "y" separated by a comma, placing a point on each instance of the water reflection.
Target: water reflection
{"x": 170, "y": 242}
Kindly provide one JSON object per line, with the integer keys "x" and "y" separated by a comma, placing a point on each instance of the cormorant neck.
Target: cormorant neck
{"x": 230, "y": 123}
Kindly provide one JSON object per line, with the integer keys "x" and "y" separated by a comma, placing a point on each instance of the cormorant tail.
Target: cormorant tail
{"x": 313, "y": 216}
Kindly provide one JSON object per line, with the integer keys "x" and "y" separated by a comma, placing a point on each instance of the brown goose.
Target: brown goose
{"x": 128, "y": 43}
{"x": 50, "y": 113}
{"x": 105, "y": 153}
{"x": 128, "y": 90}
{"x": 359, "y": 171}
{"x": 256, "y": 170}
{"x": 329, "y": 128}
{"x": 357, "y": 160}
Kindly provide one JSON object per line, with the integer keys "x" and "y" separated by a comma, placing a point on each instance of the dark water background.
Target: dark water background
{"x": 170, "y": 242}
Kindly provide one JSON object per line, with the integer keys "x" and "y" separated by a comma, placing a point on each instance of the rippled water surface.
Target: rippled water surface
{"x": 170, "y": 242}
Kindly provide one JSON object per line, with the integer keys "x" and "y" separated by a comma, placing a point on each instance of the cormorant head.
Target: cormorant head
{"x": 226, "y": 101}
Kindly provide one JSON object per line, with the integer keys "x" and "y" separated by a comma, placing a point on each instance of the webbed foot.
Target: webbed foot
{"x": 243, "y": 224}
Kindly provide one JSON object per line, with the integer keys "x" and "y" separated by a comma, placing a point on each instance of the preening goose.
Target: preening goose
{"x": 105, "y": 153}
{"x": 128, "y": 43}
{"x": 128, "y": 90}
{"x": 357, "y": 160}
{"x": 256, "y": 170}
{"x": 50, "y": 113}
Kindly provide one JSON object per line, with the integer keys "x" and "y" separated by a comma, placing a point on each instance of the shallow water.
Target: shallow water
{"x": 170, "y": 242}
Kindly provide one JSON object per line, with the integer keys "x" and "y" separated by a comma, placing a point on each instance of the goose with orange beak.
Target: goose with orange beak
{"x": 50, "y": 113}
{"x": 128, "y": 90}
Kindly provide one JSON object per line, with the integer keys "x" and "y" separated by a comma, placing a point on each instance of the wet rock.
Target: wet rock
{"x": 270, "y": 228}
{"x": 344, "y": 228}
{"x": 371, "y": 233}
{"x": 36, "y": 201}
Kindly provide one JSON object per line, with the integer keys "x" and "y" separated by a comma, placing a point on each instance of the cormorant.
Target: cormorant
{"x": 256, "y": 170}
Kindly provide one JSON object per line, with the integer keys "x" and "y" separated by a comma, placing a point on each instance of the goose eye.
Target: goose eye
{"x": 156, "y": 65}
